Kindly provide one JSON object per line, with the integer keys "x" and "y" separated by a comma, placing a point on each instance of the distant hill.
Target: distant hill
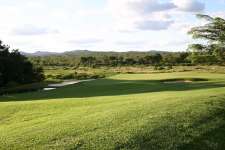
{"x": 41, "y": 53}
{"x": 92, "y": 53}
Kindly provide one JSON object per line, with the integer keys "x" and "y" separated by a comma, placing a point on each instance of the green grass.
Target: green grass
{"x": 126, "y": 111}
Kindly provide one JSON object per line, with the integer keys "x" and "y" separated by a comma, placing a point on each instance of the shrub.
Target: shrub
{"x": 67, "y": 76}
{"x": 158, "y": 67}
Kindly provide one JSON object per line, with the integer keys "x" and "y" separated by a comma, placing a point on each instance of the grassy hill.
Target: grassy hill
{"x": 128, "y": 111}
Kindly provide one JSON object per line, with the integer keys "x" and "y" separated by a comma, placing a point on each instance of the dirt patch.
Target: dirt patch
{"x": 183, "y": 80}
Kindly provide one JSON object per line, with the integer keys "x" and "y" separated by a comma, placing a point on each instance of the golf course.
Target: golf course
{"x": 168, "y": 111}
{"x": 112, "y": 75}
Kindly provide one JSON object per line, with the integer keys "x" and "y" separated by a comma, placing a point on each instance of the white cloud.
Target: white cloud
{"x": 133, "y": 15}
{"x": 141, "y": 14}
{"x": 154, "y": 25}
{"x": 218, "y": 14}
{"x": 189, "y": 5}
{"x": 149, "y": 6}
{"x": 85, "y": 41}
{"x": 129, "y": 43}
{"x": 81, "y": 23}
{"x": 28, "y": 30}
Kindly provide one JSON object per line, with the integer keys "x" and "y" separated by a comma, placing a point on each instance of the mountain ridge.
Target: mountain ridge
{"x": 87, "y": 52}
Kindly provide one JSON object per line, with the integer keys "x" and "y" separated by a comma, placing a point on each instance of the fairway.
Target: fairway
{"x": 125, "y": 111}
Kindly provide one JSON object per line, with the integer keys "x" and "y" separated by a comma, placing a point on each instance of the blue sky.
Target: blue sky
{"x": 102, "y": 25}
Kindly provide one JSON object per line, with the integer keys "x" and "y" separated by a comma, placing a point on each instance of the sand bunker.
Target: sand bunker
{"x": 64, "y": 83}
{"x": 179, "y": 80}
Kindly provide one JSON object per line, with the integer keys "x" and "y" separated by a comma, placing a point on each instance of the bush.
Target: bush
{"x": 159, "y": 67}
{"x": 82, "y": 76}
{"x": 169, "y": 67}
{"x": 78, "y": 76}
{"x": 67, "y": 76}
{"x": 49, "y": 76}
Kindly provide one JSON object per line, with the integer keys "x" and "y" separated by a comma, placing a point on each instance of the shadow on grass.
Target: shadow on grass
{"x": 109, "y": 87}
{"x": 207, "y": 132}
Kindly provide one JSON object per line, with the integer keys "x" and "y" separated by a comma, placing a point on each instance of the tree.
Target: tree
{"x": 151, "y": 59}
{"x": 147, "y": 60}
{"x": 113, "y": 60}
{"x": 129, "y": 61}
{"x": 16, "y": 68}
{"x": 157, "y": 58}
{"x": 214, "y": 34}
{"x": 88, "y": 61}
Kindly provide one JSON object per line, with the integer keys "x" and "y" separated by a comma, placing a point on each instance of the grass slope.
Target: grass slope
{"x": 127, "y": 111}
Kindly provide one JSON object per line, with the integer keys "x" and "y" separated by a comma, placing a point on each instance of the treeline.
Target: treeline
{"x": 153, "y": 59}
{"x": 114, "y": 60}
{"x": 16, "y": 69}
{"x": 55, "y": 60}
{"x": 119, "y": 59}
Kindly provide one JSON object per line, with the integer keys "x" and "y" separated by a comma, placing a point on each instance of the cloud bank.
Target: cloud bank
{"x": 97, "y": 25}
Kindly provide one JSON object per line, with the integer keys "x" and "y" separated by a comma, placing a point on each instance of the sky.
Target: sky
{"x": 102, "y": 25}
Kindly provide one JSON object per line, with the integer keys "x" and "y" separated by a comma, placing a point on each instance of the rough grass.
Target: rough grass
{"x": 127, "y": 111}
{"x": 54, "y": 72}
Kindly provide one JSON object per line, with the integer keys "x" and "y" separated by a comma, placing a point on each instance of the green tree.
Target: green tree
{"x": 88, "y": 61}
{"x": 214, "y": 34}
{"x": 16, "y": 68}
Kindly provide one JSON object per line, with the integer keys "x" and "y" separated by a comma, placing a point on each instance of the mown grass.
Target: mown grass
{"x": 126, "y": 111}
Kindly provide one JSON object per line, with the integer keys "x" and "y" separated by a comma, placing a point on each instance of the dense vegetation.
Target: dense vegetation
{"x": 114, "y": 59}
{"x": 196, "y": 56}
{"x": 17, "y": 69}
